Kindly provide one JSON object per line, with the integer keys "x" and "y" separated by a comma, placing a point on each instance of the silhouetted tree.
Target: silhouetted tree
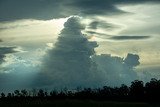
{"x": 46, "y": 93}
{"x": 34, "y": 92}
{"x": 17, "y": 93}
{"x": 53, "y": 94}
{"x": 3, "y": 95}
{"x": 9, "y": 95}
{"x": 152, "y": 89}
{"x": 41, "y": 93}
{"x": 137, "y": 89}
{"x": 24, "y": 93}
{"x": 136, "y": 92}
{"x": 105, "y": 92}
{"x": 61, "y": 95}
{"x": 123, "y": 90}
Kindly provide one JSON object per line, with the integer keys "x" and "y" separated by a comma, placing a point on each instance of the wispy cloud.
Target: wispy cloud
{"x": 102, "y": 25}
{"x": 130, "y": 37}
{"x": 97, "y": 33}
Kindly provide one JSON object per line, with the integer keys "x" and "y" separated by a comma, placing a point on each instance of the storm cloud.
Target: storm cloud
{"x": 69, "y": 63}
{"x": 72, "y": 62}
{"x": 32, "y": 9}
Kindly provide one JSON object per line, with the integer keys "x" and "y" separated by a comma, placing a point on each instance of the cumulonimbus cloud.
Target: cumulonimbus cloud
{"x": 72, "y": 62}
{"x": 69, "y": 63}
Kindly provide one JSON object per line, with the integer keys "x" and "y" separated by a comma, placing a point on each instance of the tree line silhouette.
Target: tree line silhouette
{"x": 137, "y": 91}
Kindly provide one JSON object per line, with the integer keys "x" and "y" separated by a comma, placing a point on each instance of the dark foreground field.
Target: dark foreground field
{"x": 74, "y": 103}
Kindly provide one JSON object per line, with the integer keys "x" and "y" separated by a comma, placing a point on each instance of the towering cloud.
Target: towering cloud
{"x": 69, "y": 63}
{"x": 72, "y": 62}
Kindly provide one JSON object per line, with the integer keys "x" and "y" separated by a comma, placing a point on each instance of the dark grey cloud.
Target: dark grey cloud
{"x": 132, "y": 60}
{"x": 102, "y": 24}
{"x": 31, "y": 9}
{"x": 93, "y": 25}
{"x": 48, "y": 9}
{"x": 7, "y": 50}
{"x": 4, "y": 51}
{"x": 1, "y": 40}
{"x": 103, "y": 7}
{"x": 129, "y": 37}
{"x": 95, "y": 7}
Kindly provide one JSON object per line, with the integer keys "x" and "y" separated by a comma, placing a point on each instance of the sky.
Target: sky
{"x": 78, "y": 43}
